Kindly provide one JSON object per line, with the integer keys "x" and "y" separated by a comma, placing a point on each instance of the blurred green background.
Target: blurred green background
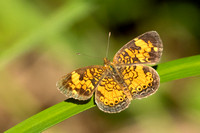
{"x": 39, "y": 41}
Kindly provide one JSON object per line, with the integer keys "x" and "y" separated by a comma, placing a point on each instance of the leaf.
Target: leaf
{"x": 177, "y": 69}
{"x": 51, "y": 116}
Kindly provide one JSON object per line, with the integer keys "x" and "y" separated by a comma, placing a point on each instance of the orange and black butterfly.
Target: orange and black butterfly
{"x": 116, "y": 83}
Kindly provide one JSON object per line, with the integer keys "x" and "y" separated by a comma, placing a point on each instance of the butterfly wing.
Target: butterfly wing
{"x": 81, "y": 83}
{"x": 141, "y": 81}
{"x": 144, "y": 49}
{"x": 110, "y": 96}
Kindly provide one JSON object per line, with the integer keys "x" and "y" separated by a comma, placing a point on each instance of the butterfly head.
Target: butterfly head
{"x": 108, "y": 65}
{"x": 106, "y": 61}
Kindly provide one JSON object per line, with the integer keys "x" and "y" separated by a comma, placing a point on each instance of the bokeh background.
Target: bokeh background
{"x": 39, "y": 41}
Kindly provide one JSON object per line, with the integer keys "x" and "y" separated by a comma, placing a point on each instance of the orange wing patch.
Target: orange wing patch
{"x": 140, "y": 80}
{"x": 80, "y": 84}
{"x": 145, "y": 49}
{"x": 110, "y": 96}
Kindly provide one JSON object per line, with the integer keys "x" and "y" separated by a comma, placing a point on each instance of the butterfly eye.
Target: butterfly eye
{"x": 120, "y": 99}
{"x": 106, "y": 102}
{"x": 139, "y": 88}
{"x": 116, "y": 101}
{"x": 149, "y": 74}
{"x": 151, "y": 79}
{"x": 125, "y": 96}
{"x": 144, "y": 86}
{"x": 149, "y": 84}
{"x": 133, "y": 91}
{"x": 111, "y": 103}
{"x": 101, "y": 99}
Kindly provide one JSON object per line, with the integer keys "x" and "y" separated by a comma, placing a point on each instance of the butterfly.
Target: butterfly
{"x": 116, "y": 83}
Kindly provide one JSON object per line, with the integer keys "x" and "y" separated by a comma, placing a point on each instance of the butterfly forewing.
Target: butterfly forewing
{"x": 81, "y": 83}
{"x": 144, "y": 49}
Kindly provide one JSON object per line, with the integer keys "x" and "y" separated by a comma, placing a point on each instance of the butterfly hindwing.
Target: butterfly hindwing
{"x": 110, "y": 96}
{"x": 144, "y": 49}
{"x": 81, "y": 83}
{"x": 141, "y": 81}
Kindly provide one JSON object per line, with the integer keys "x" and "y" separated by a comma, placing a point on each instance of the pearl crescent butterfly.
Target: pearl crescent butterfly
{"x": 117, "y": 83}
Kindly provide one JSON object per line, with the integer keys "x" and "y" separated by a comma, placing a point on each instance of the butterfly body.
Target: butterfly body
{"x": 116, "y": 83}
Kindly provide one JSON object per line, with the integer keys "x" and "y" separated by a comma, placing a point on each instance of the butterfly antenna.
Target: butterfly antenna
{"x": 88, "y": 55}
{"x": 109, "y": 34}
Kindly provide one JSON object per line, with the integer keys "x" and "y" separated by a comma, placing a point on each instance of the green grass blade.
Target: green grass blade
{"x": 178, "y": 69}
{"x": 172, "y": 70}
{"x": 50, "y": 117}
